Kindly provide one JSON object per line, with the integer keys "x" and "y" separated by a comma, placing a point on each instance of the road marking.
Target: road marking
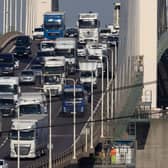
{"x": 28, "y": 65}
{"x": 12, "y": 49}
{"x": 3, "y": 143}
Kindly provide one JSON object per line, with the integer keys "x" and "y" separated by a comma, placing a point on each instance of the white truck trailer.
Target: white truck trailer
{"x": 53, "y": 74}
{"x": 67, "y": 47}
{"x": 33, "y": 137}
{"x": 32, "y": 103}
{"x": 88, "y": 73}
{"x": 88, "y": 27}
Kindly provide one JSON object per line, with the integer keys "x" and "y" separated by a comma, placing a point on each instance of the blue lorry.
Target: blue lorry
{"x": 54, "y": 25}
{"x": 68, "y": 100}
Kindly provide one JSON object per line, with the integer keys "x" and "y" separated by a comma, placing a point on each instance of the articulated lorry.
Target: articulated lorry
{"x": 32, "y": 103}
{"x": 67, "y": 47}
{"x": 68, "y": 99}
{"x": 53, "y": 75}
{"x": 54, "y": 25}
{"x": 33, "y": 137}
{"x": 88, "y": 27}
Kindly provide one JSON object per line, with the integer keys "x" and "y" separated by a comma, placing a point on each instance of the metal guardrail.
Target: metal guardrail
{"x": 8, "y": 38}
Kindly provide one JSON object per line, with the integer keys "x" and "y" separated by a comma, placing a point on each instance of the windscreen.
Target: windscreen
{"x": 47, "y": 45}
{"x": 52, "y": 79}
{"x": 8, "y": 88}
{"x": 6, "y": 101}
{"x": 54, "y": 70}
{"x": 88, "y": 23}
{"x": 68, "y": 53}
{"x": 69, "y": 95}
{"x": 87, "y": 74}
{"x": 30, "y": 109}
{"x": 29, "y": 73}
{"x": 24, "y": 135}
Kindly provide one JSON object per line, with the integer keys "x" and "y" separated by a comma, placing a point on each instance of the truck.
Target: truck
{"x": 54, "y": 25}
{"x": 33, "y": 139}
{"x": 68, "y": 99}
{"x": 88, "y": 73}
{"x": 68, "y": 48}
{"x": 88, "y": 27}
{"x": 38, "y": 33}
{"x": 9, "y": 86}
{"x": 31, "y": 103}
{"x": 54, "y": 73}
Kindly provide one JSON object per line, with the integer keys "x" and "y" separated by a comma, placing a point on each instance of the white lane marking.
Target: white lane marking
{"x": 28, "y": 65}
{"x": 3, "y": 143}
{"x": 12, "y": 49}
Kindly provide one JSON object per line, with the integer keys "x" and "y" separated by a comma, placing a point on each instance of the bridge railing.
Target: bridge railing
{"x": 8, "y": 38}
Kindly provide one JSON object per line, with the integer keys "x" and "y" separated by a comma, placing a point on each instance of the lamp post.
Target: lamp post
{"x": 91, "y": 117}
{"x": 74, "y": 116}
{"x": 18, "y": 141}
{"x": 16, "y": 15}
{"x": 102, "y": 102}
{"x": 4, "y": 16}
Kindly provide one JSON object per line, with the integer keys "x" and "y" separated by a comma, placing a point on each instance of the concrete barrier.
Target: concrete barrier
{"x": 8, "y": 38}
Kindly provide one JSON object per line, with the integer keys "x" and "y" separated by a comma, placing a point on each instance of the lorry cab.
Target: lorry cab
{"x": 67, "y": 47}
{"x": 10, "y": 86}
{"x": 54, "y": 73}
{"x": 68, "y": 99}
{"x": 32, "y": 103}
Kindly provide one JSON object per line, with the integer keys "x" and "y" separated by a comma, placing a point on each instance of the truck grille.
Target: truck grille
{"x": 23, "y": 150}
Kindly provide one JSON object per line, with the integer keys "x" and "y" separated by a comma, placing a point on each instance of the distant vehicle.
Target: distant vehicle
{"x": 67, "y": 47}
{"x": 30, "y": 103}
{"x": 71, "y": 32}
{"x": 22, "y": 51}
{"x": 38, "y": 33}
{"x": 27, "y": 76}
{"x": 47, "y": 45}
{"x": 54, "y": 25}
{"x": 112, "y": 40}
{"x": 33, "y": 138}
{"x": 88, "y": 27}
{"x": 68, "y": 99}
{"x": 105, "y": 32}
{"x": 3, "y": 163}
{"x": 8, "y": 64}
{"x": 81, "y": 50}
{"x": 23, "y": 40}
{"x": 7, "y": 105}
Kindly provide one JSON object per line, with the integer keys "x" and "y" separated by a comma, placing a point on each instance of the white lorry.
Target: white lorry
{"x": 38, "y": 33}
{"x": 47, "y": 45}
{"x": 32, "y": 103}
{"x": 88, "y": 73}
{"x": 67, "y": 47}
{"x": 53, "y": 74}
{"x": 33, "y": 137}
{"x": 9, "y": 85}
{"x": 88, "y": 27}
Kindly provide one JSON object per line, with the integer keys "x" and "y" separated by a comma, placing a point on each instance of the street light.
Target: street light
{"x": 74, "y": 116}
{"x": 102, "y": 102}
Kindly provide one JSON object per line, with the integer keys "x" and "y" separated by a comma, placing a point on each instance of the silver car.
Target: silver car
{"x": 27, "y": 76}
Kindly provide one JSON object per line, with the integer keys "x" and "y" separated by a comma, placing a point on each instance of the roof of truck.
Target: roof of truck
{"x": 9, "y": 80}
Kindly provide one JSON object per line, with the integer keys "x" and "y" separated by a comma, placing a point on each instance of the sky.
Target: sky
{"x": 74, "y": 7}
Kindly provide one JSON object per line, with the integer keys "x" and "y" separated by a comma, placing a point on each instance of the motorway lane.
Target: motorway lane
{"x": 61, "y": 136}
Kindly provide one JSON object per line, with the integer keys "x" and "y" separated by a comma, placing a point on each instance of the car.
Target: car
{"x": 8, "y": 64}
{"x": 3, "y": 163}
{"x": 27, "y": 76}
{"x": 71, "y": 32}
{"x": 38, "y": 33}
{"x": 37, "y": 69}
{"x": 23, "y": 40}
{"x": 22, "y": 51}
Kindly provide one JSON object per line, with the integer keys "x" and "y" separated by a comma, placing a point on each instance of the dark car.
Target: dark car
{"x": 23, "y": 41}
{"x": 21, "y": 51}
{"x": 71, "y": 32}
{"x": 7, "y": 64}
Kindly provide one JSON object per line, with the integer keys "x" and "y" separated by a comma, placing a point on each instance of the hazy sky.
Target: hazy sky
{"x": 74, "y": 7}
